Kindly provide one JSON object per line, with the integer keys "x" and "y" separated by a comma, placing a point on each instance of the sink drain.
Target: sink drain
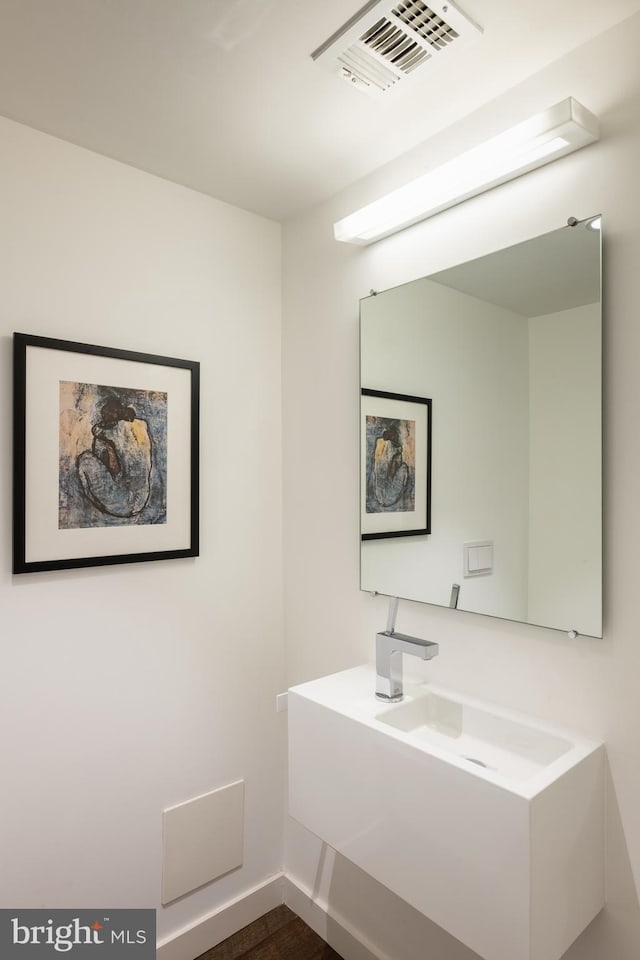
{"x": 480, "y": 763}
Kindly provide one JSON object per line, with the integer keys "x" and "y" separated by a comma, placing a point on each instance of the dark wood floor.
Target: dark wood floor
{"x": 279, "y": 935}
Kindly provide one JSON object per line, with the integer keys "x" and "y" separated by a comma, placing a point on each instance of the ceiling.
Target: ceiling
{"x": 548, "y": 274}
{"x": 224, "y": 97}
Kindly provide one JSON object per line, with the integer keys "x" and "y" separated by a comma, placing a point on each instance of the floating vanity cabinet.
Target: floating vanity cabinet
{"x": 488, "y": 823}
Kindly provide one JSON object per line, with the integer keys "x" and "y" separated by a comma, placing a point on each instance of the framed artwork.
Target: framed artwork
{"x": 105, "y": 455}
{"x": 395, "y": 474}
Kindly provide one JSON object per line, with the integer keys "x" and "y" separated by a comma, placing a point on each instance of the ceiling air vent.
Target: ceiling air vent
{"x": 383, "y": 44}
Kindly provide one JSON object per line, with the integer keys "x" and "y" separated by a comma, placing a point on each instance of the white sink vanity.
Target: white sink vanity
{"x": 480, "y": 490}
{"x": 487, "y": 822}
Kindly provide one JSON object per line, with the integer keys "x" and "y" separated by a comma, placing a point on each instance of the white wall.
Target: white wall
{"x": 127, "y": 689}
{"x": 565, "y": 493}
{"x": 480, "y": 451}
{"x": 590, "y": 685}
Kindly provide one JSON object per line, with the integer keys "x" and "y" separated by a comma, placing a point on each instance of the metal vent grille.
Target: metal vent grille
{"x": 387, "y": 40}
{"x": 360, "y": 67}
{"x": 426, "y": 23}
{"x": 394, "y": 45}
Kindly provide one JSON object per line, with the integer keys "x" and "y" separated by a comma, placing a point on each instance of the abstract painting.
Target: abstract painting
{"x": 106, "y": 455}
{"x": 113, "y": 456}
{"x": 396, "y": 465}
{"x": 390, "y": 465}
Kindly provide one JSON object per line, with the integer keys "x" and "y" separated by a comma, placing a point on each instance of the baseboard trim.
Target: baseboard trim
{"x": 210, "y": 930}
{"x": 350, "y": 943}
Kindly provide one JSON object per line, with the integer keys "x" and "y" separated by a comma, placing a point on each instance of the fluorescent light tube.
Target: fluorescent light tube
{"x": 561, "y": 129}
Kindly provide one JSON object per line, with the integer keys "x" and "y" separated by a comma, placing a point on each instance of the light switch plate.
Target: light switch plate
{"x": 478, "y": 557}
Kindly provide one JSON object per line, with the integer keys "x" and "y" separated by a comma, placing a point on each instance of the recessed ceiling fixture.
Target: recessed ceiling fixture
{"x": 386, "y": 42}
{"x": 561, "y": 129}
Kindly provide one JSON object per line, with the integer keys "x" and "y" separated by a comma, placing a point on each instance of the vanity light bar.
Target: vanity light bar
{"x": 561, "y": 129}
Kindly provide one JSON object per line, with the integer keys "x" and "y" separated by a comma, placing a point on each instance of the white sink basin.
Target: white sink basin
{"x": 487, "y": 739}
{"x": 487, "y": 822}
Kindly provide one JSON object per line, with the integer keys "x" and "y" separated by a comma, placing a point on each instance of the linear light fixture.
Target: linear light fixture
{"x": 561, "y": 129}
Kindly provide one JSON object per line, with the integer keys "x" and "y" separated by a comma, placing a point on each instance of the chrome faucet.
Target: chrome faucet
{"x": 389, "y": 649}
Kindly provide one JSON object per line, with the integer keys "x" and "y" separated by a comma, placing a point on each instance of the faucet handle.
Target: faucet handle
{"x": 394, "y": 602}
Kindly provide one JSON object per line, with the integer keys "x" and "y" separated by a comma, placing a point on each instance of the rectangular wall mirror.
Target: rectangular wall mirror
{"x": 507, "y": 351}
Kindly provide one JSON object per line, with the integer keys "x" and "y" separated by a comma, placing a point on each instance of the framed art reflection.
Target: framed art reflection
{"x": 395, "y": 432}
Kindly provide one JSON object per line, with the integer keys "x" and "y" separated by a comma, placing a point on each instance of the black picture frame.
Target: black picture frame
{"x": 101, "y": 474}
{"x": 400, "y": 506}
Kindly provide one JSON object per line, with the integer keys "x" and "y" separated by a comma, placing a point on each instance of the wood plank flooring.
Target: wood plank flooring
{"x": 278, "y": 935}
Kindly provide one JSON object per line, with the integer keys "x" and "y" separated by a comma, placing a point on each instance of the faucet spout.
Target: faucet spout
{"x": 389, "y": 649}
